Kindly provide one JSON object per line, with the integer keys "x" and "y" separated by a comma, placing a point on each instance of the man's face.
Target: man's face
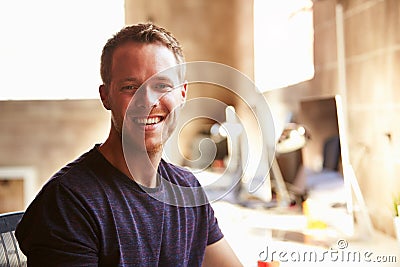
{"x": 151, "y": 108}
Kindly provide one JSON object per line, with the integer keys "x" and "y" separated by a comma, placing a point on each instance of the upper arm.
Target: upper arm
{"x": 220, "y": 254}
{"x": 55, "y": 230}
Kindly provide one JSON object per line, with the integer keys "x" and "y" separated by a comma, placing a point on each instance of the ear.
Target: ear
{"x": 184, "y": 91}
{"x": 103, "y": 91}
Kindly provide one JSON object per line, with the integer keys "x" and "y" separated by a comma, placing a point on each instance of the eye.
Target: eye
{"x": 128, "y": 88}
{"x": 162, "y": 87}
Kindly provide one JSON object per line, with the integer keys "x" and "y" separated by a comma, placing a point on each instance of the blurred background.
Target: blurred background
{"x": 293, "y": 50}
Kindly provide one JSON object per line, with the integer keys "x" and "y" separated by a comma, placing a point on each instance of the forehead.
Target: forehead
{"x": 140, "y": 61}
{"x": 142, "y": 53}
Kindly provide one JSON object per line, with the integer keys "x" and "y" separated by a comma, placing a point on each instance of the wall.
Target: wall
{"x": 218, "y": 31}
{"x": 372, "y": 60}
{"x": 48, "y": 134}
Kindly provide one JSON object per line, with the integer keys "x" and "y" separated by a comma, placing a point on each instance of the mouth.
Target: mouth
{"x": 148, "y": 121}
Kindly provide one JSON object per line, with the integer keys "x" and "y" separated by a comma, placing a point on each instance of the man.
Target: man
{"x": 105, "y": 209}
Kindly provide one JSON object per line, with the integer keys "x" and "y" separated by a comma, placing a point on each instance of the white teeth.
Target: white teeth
{"x": 148, "y": 121}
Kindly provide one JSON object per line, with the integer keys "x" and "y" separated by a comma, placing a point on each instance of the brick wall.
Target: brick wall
{"x": 48, "y": 134}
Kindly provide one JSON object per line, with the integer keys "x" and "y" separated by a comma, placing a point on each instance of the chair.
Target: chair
{"x": 10, "y": 254}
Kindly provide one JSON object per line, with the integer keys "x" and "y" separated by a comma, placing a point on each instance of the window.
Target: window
{"x": 283, "y": 43}
{"x": 51, "y": 49}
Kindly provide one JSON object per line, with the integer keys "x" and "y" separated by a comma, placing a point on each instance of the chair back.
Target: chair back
{"x": 10, "y": 254}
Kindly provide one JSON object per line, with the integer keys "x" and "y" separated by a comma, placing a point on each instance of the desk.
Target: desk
{"x": 259, "y": 234}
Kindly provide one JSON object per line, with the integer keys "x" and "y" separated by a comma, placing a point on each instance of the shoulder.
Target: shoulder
{"x": 73, "y": 170}
{"x": 73, "y": 191}
{"x": 79, "y": 177}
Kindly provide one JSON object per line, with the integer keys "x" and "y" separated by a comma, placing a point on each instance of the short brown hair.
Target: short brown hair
{"x": 141, "y": 33}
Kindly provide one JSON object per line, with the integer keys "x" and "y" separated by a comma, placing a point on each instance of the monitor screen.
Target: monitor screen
{"x": 320, "y": 118}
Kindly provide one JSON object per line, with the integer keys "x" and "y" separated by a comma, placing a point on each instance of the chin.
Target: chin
{"x": 153, "y": 149}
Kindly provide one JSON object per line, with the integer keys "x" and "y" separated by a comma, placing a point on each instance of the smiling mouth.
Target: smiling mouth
{"x": 148, "y": 121}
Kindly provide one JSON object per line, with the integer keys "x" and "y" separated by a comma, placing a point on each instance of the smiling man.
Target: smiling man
{"x": 101, "y": 209}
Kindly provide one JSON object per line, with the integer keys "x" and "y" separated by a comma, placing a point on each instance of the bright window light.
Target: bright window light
{"x": 283, "y": 43}
{"x": 51, "y": 49}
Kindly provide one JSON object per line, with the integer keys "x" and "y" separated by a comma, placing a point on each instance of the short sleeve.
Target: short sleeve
{"x": 57, "y": 230}
{"x": 214, "y": 232}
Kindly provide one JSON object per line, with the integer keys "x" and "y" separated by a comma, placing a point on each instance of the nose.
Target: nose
{"x": 145, "y": 97}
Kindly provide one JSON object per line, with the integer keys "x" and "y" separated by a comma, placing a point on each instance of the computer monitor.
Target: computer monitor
{"x": 328, "y": 171}
{"x": 322, "y": 151}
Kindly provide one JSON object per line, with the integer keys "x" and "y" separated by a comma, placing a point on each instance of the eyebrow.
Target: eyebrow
{"x": 129, "y": 79}
{"x": 157, "y": 78}
{"x": 161, "y": 78}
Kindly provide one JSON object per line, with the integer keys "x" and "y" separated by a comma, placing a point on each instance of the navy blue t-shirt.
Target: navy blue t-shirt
{"x": 91, "y": 214}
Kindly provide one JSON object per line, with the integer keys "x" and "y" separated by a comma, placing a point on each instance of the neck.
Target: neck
{"x": 143, "y": 166}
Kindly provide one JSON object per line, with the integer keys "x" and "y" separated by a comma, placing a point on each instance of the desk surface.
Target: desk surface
{"x": 262, "y": 235}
